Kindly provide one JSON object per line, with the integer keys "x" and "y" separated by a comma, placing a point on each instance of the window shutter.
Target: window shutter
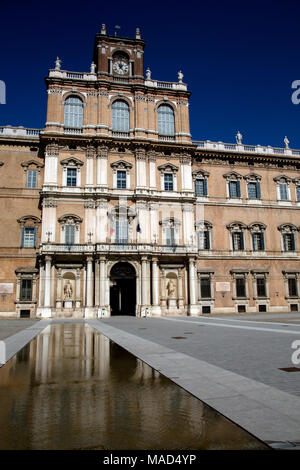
{"x": 242, "y": 240}
{"x": 262, "y": 238}
{"x": 207, "y": 240}
{"x": 22, "y": 236}
{"x": 35, "y": 236}
{"x": 205, "y": 192}
{"x": 258, "y": 190}
{"x": 292, "y": 241}
{"x": 238, "y": 189}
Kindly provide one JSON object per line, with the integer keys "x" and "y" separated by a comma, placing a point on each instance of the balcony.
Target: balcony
{"x": 117, "y": 248}
{"x": 241, "y": 148}
{"x": 69, "y": 75}
{"x": 19, "y": 132}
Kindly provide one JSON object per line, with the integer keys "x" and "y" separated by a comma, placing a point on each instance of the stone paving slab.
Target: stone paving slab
{"x": 9, "y": 327}
{"x": 270, "y": 414}
{"x": 12, "y": 344}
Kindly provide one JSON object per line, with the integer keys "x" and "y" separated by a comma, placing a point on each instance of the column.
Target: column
{"x": 144, "y": 280}
{"x": 192, "y": 281}
{"x": 47, "y": 289}
{"x": 155, "y": 282}
{"x": 102, "y": 166}
{"x": 41, "y": 285}
{"x": 180, "y": 296}
{"x": 89, "y": 284}
{"x": 97, "y": 283}
{"x": 163, "y": 288}
{"x": 90, "y": 166}
{"x": 34, "y": 287}
{"x": 77, "y": 289}
{"x": 102, "y": 281}
{"x": 199, "y": 286}
{"x": 59, "y": 289}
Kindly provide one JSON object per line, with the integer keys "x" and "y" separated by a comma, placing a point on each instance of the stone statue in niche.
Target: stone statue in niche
{"x": 68, "y": 291}
{"x": 171, "y": 289}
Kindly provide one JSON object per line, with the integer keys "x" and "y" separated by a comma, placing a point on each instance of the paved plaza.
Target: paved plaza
{"x": 232, "y": 363}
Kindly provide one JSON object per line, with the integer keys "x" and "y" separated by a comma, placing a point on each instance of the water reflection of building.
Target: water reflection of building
{"x": 121, "y": 203}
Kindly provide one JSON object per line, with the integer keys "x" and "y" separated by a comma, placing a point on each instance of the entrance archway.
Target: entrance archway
{"x": 122, "y": 289}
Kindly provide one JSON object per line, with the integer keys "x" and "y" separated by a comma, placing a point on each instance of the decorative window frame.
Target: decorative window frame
{"x": 237, "y": 227}
{"x": 201, "y": 175}
{"x": 258, "y": 274}
{"x": 296, "y": 182}
{"x": 170, "y": 169}
{"x": 32, "y": 165}
{"x": 253, "y": 178}
{"x": 240, "y": 274}
{"x": 291, "y": 274}
{"x": 81, "y": 97}
{"x": 257, "y": 227}
{"x": 124, "y": 166}
{"x": 170, "y": 222}
{"x": 24, "y": 273}
{"x": 128, "y": 101}
{"x": 72, "y": 163}
{"x": 287, "y": 228}
{"x": 127, "y": 212}
{"x": 29, "y": 221}
{"x": 233, "y": 176}
{"x": 283, "y": 179}
{"x": 204, "y": 226}
{"x": 70, "y": 219}
{"x": 205, "y": 274}
{"x": 166, "y": 102}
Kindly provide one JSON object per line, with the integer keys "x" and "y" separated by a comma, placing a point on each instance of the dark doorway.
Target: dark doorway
{"x": 122, "y": 289}
{"x": 24, "y": 313}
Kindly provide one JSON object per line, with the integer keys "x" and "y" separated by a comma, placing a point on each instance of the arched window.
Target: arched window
{"x": 120, "y": 116}
{"x": 166, "y": 120}
{"x": 73, "y": 112}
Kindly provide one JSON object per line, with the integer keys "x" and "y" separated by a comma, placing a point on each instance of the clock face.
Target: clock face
{"x": 120, "y": 67}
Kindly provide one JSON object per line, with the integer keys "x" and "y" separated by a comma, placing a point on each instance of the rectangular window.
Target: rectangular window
{"x": 288, "y": 242}
{"x": 234, "y": 189}
{"x": 240, "y": 287}
{"x": 261, "y": 287}
{"x": 71, "y": 176}
{"x": 292, "y": 286}
{"x": 203, "y": 240}
{"x": 121, "y": 179}
{"x": 168, "y": 180}
{"x": 121, "y": 231}
{"x": 298, "y": 192}
{"x": 26, "y": 289}
{"x": 205, "y": 287}
{"x": 28, "y": 237}
{"x": 31, "y": 179}
{"x": 258, "y": 241}
{"x": 70, "y": 234}
{"x": 201, "y": 187}
{"x": 170, "y": 236}
{"x": 254, "y": 190}
{"x": 237, "y": 241}
{"x": 283, "y": 191}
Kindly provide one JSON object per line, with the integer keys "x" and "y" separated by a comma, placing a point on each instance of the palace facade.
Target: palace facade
{"x": 113, "y": 209}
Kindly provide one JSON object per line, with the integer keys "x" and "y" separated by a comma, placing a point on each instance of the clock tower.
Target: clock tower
{"x": 119, "y": 58}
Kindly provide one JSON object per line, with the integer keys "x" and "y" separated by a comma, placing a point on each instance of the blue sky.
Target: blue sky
{"x": 239, "y": 59}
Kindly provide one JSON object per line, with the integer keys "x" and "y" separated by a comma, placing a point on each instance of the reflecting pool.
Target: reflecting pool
{"x": 72, "y": 388}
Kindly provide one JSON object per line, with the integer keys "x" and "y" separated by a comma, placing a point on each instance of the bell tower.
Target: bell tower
{"x": 119, "y": 59}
